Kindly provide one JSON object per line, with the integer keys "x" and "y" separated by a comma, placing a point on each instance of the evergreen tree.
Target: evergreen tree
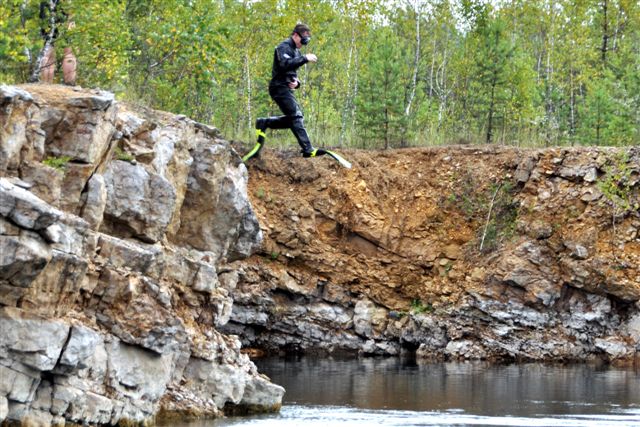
{"x": 493, "y": 55}
{"x": 516, "y": 71}
{"x": 381, "y": 98}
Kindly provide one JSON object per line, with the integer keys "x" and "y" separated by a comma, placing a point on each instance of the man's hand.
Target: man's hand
{"x": 311, "y": 57}
{"x": 294, "y": 84}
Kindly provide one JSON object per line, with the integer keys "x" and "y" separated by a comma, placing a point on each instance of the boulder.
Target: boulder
{"x": 260, "y": 395}
{"x": 32, "y": 340}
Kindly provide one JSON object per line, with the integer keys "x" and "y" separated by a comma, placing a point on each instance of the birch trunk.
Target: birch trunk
{"x": 414, "y": 79}
{"x": 247, "y": 75}
{"x": 348, "y": 100}
{"x": 49, "y": 40}
{"x": 605, "y": 30}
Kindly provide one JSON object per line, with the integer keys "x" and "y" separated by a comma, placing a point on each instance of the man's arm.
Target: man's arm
{"x": 287, "y": 60}
{"x": 295, "y": 84}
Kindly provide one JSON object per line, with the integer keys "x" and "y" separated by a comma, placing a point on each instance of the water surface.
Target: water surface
{"x": 394, "y": 392}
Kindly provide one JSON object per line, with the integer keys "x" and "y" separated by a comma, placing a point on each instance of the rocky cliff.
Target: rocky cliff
{"x": 117, "y": 226}
{"x": 453, "y": 252}
{"x": 135, "y": 250}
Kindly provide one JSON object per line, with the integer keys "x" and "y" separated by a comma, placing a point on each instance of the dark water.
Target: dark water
{"x": 391, "y": 392}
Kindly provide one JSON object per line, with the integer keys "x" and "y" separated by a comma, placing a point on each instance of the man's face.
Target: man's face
{"x": 305, "y": 37}
{"x": 301, "y": 39}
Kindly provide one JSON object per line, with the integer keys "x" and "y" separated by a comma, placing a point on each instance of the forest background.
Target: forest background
{"x": 391, "y": 73}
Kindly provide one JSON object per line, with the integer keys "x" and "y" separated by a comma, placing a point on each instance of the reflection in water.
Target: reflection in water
{"x": 477, "y": 388}
{"x": 392, "y": 392}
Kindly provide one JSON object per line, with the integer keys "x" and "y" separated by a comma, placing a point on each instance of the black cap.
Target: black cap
{"x": 301, "y": 28}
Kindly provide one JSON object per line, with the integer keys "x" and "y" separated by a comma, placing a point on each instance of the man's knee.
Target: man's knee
{"x": 298, "y": 120}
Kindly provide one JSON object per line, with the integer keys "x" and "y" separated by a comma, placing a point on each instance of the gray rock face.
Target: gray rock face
{"x": 45, "y": 182}
{"x": 24, "y": 209}
{"x": 124, "y": 253}
{"x": 22, "y": 259}
{"x": 86, "y": 127}
{"x": 138, "y": 373}
{"x": 4, "y": 408}
{"x": 216, "y": 214}
{"x": 80, "y": 346}
{"x": 35, "y": 341}
{"x": 109, "y": 327}
{"x": 369, "y": 320}
{"x": 137, "y": 200}
{"x": 223, "y": 382}
{"x": 96, "y": 201}
{"x": 15, "y": 106}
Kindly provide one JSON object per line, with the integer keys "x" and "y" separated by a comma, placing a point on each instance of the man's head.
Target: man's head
{"x": 301, "y": 35}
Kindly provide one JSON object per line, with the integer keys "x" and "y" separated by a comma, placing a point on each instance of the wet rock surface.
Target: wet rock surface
{"x": 108, "y": 307}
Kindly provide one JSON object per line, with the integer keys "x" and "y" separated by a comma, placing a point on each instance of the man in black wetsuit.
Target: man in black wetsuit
{"x": 284, "y": 79}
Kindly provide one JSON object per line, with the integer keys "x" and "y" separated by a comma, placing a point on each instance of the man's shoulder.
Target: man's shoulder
{"x": 286, "y": 43}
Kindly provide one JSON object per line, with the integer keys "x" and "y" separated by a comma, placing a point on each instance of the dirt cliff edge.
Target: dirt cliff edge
{"x": 454, "y": 252}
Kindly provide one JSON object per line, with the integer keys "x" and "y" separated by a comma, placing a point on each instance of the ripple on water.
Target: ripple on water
{"x": 325, "y": 416}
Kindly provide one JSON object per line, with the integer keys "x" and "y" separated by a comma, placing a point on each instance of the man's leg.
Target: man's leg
{"x": 297, "y": 127}
{"x": 292, "y": 118}
{"x": 262, "y": 124}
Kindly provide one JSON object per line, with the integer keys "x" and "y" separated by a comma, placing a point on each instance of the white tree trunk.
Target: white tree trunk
{"x": 49, "y": 40}
{"x": 348, "y": 100}
{"x": 247, "y": 75}
{"x": 414, "y": 79}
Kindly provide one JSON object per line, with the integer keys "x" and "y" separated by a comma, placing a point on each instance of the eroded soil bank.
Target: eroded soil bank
{"x": 456, "y": 252}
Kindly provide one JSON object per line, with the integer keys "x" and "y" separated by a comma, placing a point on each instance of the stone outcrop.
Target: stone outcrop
{"x": 116, "y": 229}
{"x": 386, "y": 258}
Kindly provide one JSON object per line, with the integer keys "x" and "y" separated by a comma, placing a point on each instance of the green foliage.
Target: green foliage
{"x": 19, "y": 37}
{"x": 524, "y": 72}
{"x": 501, "y": 223}
{"x": 494, "y": 52}
{"x": 616, "y": 187}
{"x": 381, "y": 100}
{"x": 59, "y": 163}
{"x": 419, "y": 307}
{"x": 466, "y": 198}
{"x": 122, "y": 155}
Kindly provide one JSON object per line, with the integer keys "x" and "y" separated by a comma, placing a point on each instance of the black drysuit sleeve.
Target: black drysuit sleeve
{"x": 287, "y": 60}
